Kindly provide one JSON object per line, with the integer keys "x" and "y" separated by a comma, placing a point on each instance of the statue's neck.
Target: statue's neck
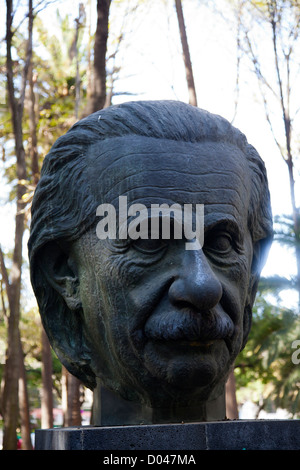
{"x": 109, "y": 409}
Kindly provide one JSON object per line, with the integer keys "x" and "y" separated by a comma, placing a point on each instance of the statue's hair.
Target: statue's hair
{"x": 61, "y": 211}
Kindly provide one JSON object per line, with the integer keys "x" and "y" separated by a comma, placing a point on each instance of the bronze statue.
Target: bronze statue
{"x": 157, "y": 325}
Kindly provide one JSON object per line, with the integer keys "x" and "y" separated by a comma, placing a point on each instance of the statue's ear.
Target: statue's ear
{"x": 60, "y": 271}
{"x": 58, "y": 293}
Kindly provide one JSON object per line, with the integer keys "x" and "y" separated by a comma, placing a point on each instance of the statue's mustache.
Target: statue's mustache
{"x": 186, "y": 324}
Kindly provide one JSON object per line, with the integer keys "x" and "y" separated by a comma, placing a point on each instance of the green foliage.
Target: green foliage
{"x": 265, "y": 366}
{"x": 266, "y": 360}
{"x": 54, "y": 75}
{"x": 54, "y": 72}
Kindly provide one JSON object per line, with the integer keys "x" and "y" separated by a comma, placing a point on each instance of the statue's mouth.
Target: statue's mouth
{"x": 189, "y": 328}
{"x": 196, "y": 344}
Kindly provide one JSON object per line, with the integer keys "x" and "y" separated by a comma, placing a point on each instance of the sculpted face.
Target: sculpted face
{"x": 165, "y": 323}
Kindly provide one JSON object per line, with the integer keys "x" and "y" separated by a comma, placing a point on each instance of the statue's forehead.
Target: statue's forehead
{"x": 149, "y": 170}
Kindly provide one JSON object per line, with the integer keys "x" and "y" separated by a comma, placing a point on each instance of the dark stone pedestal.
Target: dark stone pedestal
{"x": 219, "y": 435}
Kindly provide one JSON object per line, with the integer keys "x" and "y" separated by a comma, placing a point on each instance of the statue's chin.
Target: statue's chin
{"x": 184, "y": 380}
{"x": 187, "y": 368}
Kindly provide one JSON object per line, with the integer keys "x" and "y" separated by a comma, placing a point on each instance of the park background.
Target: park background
{"x": 60, "y": 60}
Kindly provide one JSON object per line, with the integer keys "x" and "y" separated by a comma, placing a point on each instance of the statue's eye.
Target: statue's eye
{"x": 220, "y": 242}
{"x": 148, "y": 246}
{"x": 118, "y": 245}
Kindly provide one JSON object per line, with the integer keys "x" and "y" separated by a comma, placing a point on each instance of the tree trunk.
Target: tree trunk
{"x": 77, "y": 80}
{"x": 81, "y": 13}
{"x": 47, "y": 393}
{"x": 34, "y": 157}
{"x": 231, "y": 402}
{"x": 74, "y": 413}
{"x": 70, "y": 399}
{"x": 89, "y": 62}
{"x": 295, "y": 214}
{"x": 64, "y": 393}
{"x": 10, "y": 408}
{"x": 97, "y": 100}
{"x": 11, "y": 373}
{"x": 186, "y": 55}
{"x": 24, "y": 404}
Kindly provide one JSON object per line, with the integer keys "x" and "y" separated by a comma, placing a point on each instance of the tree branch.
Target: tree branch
{"x": 3, "y": 301}
{"x": 257, "y": 68}
{"x": 238, "y": 59}
{"x": 28, "y": 59}
{"x": 4, "y": 274}
{"x": 186, "y": 55}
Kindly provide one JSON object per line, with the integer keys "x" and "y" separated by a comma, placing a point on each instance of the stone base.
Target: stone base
{"x": 219, "y": 435}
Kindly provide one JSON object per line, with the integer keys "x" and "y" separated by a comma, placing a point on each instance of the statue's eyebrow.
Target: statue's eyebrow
{"x": 228, "y": 224}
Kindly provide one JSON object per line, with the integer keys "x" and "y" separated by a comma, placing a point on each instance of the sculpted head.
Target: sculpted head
{"x": 157, "y": 323}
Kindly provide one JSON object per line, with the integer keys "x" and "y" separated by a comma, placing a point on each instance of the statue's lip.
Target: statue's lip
{"x": 201, "y": 344}
{"x": 187, "y": 343}
{"x": 189, "y": 327}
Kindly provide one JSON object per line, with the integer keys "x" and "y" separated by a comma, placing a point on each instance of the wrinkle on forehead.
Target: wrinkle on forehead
{"x": 172, "y": 180}
{"x": 135, "y": 152}
{"x": 209, "y": 173}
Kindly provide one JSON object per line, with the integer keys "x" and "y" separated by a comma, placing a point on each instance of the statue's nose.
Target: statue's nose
{"x": 196, "y": 286}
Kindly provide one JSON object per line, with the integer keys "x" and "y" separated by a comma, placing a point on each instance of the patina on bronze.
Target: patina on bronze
{"x": 157, "y": 325}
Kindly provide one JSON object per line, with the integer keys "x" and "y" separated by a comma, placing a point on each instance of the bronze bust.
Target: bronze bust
{"x": 158, "y": 326}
